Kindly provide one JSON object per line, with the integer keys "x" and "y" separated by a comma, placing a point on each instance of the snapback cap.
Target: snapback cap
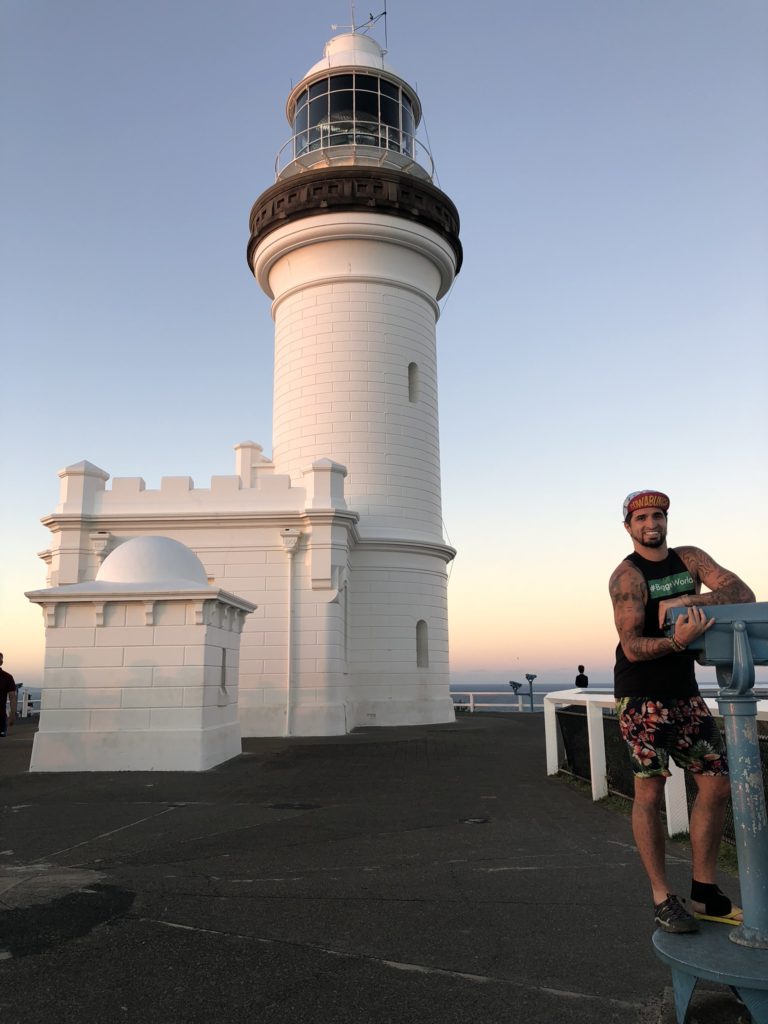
{"x": 644, "y": 499}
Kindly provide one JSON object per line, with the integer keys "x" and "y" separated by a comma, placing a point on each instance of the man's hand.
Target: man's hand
{"x": 672, "y": 602}
{"x": 629, "y": 594}
{"x": 689, "y": 627}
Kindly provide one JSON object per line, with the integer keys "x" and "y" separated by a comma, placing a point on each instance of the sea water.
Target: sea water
{"x": 501, "y": 697}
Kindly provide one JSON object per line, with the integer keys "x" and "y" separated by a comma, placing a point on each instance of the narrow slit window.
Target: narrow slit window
{"x": 413, "y": 382}
{"x": 422, "y": 644}
{"x": 345, "y": 594}
{"x": 223, "y": 696}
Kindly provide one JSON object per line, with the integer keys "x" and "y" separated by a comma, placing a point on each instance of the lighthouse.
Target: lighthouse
{"x": 355, "y": 246}
{"x": 335, "y": 543}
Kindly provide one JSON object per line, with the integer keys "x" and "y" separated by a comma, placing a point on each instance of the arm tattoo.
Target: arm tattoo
{"x": 646, "y": 648}
{"x": 629, "y": 595}
{"x": 725, "y": 586}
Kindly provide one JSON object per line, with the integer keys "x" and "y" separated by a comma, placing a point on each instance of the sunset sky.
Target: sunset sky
{"x": 607, "y": 332}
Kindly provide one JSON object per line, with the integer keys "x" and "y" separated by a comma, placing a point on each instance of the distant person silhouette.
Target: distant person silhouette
{"x": 581, "y": 679}
{"x": 7, "y": 696}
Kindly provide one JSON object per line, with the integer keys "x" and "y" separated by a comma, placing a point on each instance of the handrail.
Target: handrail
{"x": 474, "y": 705}
{"x": 388, "y": 139}
{"x": 594, "y": 703}
{"x": 25, "y": 708}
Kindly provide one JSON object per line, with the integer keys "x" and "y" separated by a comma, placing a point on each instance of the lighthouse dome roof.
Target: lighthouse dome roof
{"x": 351, "y": 49}
{"x": 153, "y": 560}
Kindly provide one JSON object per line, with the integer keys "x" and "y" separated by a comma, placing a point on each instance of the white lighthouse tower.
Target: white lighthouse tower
{"x": 355, "y": 246}
{"x": 336, "y": 542}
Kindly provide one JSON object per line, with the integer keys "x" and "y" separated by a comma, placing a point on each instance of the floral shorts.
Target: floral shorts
{"x": 679, "y": 726}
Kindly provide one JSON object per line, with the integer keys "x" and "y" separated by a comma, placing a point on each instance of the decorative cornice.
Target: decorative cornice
{"x": 79, "y": 593}
{"x": 318, "y": 282}
{"x": 58, "y": 521}
{"x": 411, "y": 545}
{"x": 344, "y": 189}
{"x": 331, "y": 517}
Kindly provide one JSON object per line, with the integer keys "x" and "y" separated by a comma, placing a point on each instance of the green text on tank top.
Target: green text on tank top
{"x": 666, "y": 579}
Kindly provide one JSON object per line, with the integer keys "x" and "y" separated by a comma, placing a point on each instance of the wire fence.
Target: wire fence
{"x": 572, "y": 724}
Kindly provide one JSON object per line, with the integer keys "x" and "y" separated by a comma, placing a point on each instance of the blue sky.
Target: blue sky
{"x": 607, "y": 332}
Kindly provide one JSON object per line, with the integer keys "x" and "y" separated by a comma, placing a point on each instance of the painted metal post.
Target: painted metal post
{"x": 738, "y": 707}
{"x": 737, "y": 641}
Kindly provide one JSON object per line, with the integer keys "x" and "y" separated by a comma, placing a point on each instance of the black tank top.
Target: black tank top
{"x": 671, "y": 675}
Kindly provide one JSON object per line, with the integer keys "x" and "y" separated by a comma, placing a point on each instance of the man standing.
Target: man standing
{"x": 658, "y": 703}
{"x": 7, "y": 689}
{"x": 581, "y": 679}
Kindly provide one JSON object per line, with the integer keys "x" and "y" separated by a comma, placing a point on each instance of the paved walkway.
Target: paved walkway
{"x": 430, "y": 874}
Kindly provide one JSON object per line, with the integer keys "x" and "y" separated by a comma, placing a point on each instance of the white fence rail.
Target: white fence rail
{"x": 26, "y": 705}
{"x": 516, "y": 702}
{"x": 674, "y": 791}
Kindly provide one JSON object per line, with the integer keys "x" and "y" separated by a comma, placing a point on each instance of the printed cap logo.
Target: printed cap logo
{"x": 644, "y": 499}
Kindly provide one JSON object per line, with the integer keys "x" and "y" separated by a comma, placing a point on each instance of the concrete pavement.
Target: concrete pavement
{"x": 430, "y": 874}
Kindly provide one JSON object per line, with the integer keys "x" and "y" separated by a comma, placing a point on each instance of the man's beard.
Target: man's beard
{"x": 655, "y": 542}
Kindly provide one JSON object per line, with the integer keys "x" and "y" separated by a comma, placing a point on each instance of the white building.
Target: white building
{"x": 338, "y": 538}
{"x": 141, "y": 666}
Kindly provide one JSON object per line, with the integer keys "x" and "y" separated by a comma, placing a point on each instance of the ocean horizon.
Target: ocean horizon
{"x": 501, "y": 694}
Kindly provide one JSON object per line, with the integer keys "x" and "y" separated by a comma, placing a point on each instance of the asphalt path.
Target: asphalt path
{"x": 430, "y": 874}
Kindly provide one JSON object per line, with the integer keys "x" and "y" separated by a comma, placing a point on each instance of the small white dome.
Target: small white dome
{"x": 152, "y": 560}
{"x": 351, "y": 49}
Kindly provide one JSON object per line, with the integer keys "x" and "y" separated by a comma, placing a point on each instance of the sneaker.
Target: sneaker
{"x": 671, "y": 916}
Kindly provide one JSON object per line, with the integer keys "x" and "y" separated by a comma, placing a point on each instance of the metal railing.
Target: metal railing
{"x": 517, "y": 702}
{"x": 675, "y": 797}
{"x": 26, "y": 705}
{"x": 370, "y": 137}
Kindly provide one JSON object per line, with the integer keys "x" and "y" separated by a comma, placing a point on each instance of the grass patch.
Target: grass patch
{"x": 727, "y": 860}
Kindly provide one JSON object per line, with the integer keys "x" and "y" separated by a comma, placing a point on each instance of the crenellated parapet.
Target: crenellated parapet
{"x": 84, "y": 490}
{"x": 252, "y": 508}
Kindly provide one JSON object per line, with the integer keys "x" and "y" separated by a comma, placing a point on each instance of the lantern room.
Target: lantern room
{"x": 352, "y": 109}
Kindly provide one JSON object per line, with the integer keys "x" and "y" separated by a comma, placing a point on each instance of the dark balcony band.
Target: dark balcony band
{"x": 341, "y": 190}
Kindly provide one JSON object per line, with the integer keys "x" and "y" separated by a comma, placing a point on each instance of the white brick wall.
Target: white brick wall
{"x": 348, "y": 399}
{"x": 107, "y": 687}
{"x": 389, "y": 593}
